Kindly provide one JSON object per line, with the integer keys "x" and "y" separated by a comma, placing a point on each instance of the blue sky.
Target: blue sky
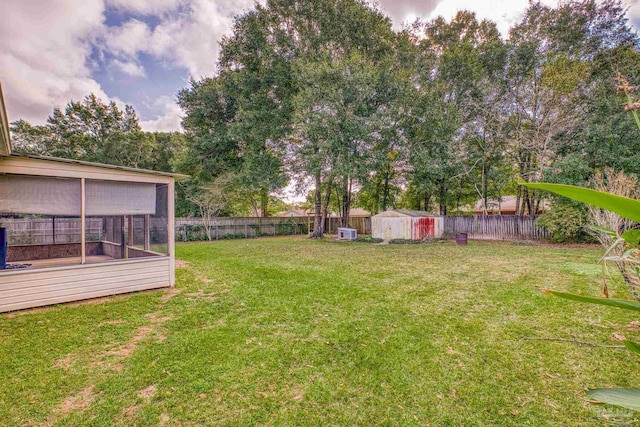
{"x": 141, "y": 52}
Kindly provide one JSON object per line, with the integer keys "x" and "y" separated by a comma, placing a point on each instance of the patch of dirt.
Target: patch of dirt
{"x": 181, "y": 264}
{"x": 170, "y": 293}
{"x": 65, "y": 363}
{"x": 633, "y": 325}
{"x": 130, "y": 412}
{"x": 126, "y": 349}
{"x": 217, "y": 324}
{"x": 155, "y": 319}
{"x": 81, "y": 400}
{"x": 112, "y": 322}
{"x": 77, "y": 402}
{"x": 93, "y": 301}
{"x": 203, "y": 279}
{"x": 201, "y": 295}
{"x": 148, "y": 392}
{"x": 297, "y": 393}
{"x": 164, "y": 419}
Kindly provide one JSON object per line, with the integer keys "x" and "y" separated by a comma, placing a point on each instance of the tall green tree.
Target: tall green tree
{"x": 94, "y": 131}
{"x": 553, "y": 70}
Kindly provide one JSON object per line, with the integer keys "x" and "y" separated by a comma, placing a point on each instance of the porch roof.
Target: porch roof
{"x": 5, "y": 136}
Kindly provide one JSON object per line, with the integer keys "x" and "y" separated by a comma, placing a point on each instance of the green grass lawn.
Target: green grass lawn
{"x": 288, "y": 331}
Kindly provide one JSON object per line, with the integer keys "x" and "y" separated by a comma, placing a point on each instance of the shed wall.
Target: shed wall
{"x": 427, "y": 227}
{"x": 35, "y": 288}
{"x": 405, "y": 227}
{"x": 389, "y": 228}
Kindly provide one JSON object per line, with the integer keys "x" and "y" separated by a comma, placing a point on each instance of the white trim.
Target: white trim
{"x": 5, "y": 134}
{"x": 171, "y": 231}
{"x": 175, "y": 176}
{"x": 39, "y": 167}
{"x": 83, "y": 221}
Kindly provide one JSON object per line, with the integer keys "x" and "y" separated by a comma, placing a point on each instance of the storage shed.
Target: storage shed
{"x": 406, "y": 224}
{"x": 102, "y": 229}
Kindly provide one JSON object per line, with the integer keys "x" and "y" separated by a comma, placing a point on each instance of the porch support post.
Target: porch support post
{"x": 83, "y": 220}
{"x": 123, "y": 241}
{"x": 171, "y": 231}
{"x": 130, "y": 231}
{"x": 147, "y": 232}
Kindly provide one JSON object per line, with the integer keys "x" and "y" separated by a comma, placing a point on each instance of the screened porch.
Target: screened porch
{"x": 61, "y": 221}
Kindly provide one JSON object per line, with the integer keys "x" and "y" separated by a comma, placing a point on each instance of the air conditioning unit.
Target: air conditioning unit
{"x": 347, "y": 233}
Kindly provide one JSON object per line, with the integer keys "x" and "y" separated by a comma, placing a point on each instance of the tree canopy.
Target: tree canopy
{"x": 327, "y": 95}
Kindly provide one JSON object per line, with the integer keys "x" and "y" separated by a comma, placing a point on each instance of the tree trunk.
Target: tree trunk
{"x": 318, "y": 223}
{"x": 264, "y": 203}
{"x": 385, "y": 191}
{"x": 443, "y": 205}
{"x": 427, "y": 200}
{"x": 345, "y": 202}
{"x": 325, "y": 208}
{"x": 485, "y": 196}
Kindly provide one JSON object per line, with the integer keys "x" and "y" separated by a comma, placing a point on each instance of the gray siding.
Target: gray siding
{"x": 35, "y": 288}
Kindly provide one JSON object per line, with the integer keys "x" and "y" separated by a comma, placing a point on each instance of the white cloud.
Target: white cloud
{"x": 634, "y": 9}
{"x": 128, "y": 39}
{"x": 46, "y": 45}
{"x": 129, "y": 68}
{"x": 169, "y": 117}
{"x": 145, "y": 7}
{"x": 44, "y": 49}
{"x": 504, "y": 12}
{"x": 189, "y": 39}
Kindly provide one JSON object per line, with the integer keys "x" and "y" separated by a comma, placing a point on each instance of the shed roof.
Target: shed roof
{"x": 405, "y": 212}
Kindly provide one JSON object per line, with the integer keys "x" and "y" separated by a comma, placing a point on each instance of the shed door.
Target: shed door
{"x": 392, "y": 228}
{"x": 423, "y": 227}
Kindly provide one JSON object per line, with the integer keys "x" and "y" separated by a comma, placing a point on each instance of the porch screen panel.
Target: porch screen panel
{"x": 22, "y": 194}
{"x": 110, "y": 198}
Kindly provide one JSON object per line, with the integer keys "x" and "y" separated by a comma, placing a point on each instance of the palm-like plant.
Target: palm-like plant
{"x": 623, "y": 252}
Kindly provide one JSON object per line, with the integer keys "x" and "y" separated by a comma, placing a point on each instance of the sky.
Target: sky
{"x": 141, "y": 52}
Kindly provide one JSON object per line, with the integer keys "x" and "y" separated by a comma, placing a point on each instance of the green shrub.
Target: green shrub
{"x": 368, "y": 239}
{"x": 566, "y": 223}
{"x": 448, "y": 234}
{"x": 404, "y": 242}
{"x": 233, "y": 236}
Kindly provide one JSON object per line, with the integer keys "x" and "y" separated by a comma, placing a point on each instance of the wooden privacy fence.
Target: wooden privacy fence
{"x": 497, "y": 227}
{"x": 190, "y": 229}
{"x": 47, "y": 231}
{"x": 361, "y": 223}
{"x": 193, "y": 229}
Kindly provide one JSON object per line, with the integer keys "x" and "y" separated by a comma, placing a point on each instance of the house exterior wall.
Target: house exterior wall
{"x": 35, "y": 288}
